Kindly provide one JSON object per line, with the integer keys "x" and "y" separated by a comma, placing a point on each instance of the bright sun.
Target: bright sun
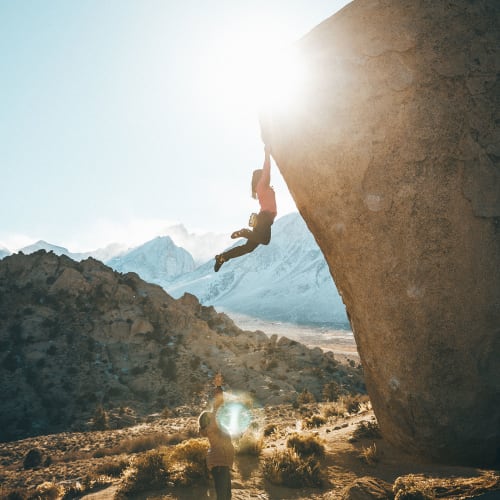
{"x": 252, "y": 68}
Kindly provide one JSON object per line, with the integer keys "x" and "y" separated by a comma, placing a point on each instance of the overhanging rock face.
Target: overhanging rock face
{"x": 392, "y": 157}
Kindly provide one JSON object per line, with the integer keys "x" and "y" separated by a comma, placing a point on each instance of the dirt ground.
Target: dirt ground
{"x": 75, "y": 455}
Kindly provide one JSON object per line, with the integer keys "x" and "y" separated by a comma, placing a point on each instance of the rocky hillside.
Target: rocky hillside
{"x": 77, "y": 335}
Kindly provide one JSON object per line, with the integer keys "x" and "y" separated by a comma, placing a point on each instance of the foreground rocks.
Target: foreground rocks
{"x": 392, "y": 157}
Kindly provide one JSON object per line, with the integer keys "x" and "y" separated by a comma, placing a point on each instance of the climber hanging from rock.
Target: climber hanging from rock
{"x": 261, "y": 223}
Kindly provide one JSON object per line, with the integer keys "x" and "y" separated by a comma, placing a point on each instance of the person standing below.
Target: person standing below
{"x": 220, "y": 456}
{"x": 260, "y": 234}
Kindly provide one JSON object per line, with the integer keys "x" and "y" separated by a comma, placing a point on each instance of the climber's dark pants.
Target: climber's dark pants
{"x": 259, "y": 235}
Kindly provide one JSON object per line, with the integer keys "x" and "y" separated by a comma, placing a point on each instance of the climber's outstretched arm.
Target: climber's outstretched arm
{"x": 266, "y": 167}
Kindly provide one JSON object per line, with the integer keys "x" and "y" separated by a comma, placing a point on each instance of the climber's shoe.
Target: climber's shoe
{"x": 219, "y": 260}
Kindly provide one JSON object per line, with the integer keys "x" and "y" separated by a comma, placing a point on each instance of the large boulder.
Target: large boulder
{"x": 392, "y": 156}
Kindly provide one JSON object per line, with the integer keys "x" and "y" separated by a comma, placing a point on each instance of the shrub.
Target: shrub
{"x": 112, "y": 468}
{"x": 331, "y": 391}
{"x": 314, "y": 421}
{"x": 249, "y": 444}
{"x": 289, "y": 469}
{"x": 368, "y": 430}
{"x": 48, "y": 491}
{"x": 100, "y": 420}
{"x": 336, "y": 409}
{"x": 412, "y": 488}
{"x": 187, "y": 462}
{"x": 306, "y": 445}
{"x": 15, "y": 494}
{"x": 352, "y": 404}
{"x": 270, "y": 429}
{"x": 305, "y": 397}
{"x": 32, "y": 459}
{"x": 148, "y": 472}
{"x": 182, "y": 465}
{"x": 370, "y": 454}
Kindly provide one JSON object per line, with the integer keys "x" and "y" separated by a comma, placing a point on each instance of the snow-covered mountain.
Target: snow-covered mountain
{"x": 157, "y": 261}
{"x": 202, "y": 246}
{"x": 102, "y": 254}
{"x": 288, "y": 280}
{"x": 48, "y": 247}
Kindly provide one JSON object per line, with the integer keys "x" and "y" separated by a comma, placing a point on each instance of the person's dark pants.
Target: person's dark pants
{"x": 259, "y": 235}
{"x": 222, "y": 480}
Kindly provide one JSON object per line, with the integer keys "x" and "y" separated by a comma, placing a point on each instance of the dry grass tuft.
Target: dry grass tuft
{"x": 314, "y": 421}
{"x": 48, "y": 491}
{"x": 367, "y": 430}
{"x": 370, "y": 454}
{"x": 250, "y": 443}
{"x": 187, "y": 462}
{"x": 335, "y": 409}
{"x": 181, "y": 465}
{"x": 270, "y": 429}
{"x": 143, "y": 443}
{"x": 412, "y": 488}
{"x": 112, "y": 468}
{"x": 287, "y": 468}
{"x": 306, "y": 445}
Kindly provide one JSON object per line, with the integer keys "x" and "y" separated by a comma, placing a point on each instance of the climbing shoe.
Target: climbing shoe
{"x": 219, "y": 260}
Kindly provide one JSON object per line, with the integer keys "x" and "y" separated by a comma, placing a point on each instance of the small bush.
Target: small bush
{"x": 32, "y": 459}
{"x": 305, "y": 397}
{"x": 187, "y": 462}
{"x": 314, "y": 421}
{"x": 15, "y": 494}
{"x": 249, "y": 444}
{"x": 100, "y": 420}
{"x": 353, "y": 404}
{"x": 331, "y": 391}
{"x": 113, "y": 468}
{"x": 370, "y": 454}
{"x": 148, "y": 472}
{"x": 270, "y": 429}
{"x": 367, "y": 430}
{"x": 48, "y": 491}
{"x": 306, "y": 445}
{"x": 287, "y": 468}
{"x": 337, "y": 409}
{"x": 412, "y": 488}
{"x": 182, "y": 465}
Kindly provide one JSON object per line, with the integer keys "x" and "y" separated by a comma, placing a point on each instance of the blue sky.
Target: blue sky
{"x": 120, "y": 117}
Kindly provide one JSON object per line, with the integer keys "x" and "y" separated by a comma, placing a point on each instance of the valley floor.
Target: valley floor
{"x": 339, "y": 341}
{"x": 76, "y": 456}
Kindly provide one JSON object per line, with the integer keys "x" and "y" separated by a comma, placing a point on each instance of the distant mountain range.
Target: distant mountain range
{"x": 287, "y": 281}
{"x": 157, "y": 261}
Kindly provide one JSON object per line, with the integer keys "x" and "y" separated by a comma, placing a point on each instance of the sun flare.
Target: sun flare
{"x": 251, "y": 70}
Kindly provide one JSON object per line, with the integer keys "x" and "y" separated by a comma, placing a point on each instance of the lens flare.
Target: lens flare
{"x": 235, "y": 417}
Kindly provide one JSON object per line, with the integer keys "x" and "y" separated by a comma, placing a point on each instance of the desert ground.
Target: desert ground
{"x": 356, "y": 465}
{"x": 91, "y": 465}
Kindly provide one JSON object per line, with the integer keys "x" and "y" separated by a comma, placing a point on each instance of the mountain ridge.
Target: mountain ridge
{"x": 75, "y": 336}
{"x": 287, "y": 280}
